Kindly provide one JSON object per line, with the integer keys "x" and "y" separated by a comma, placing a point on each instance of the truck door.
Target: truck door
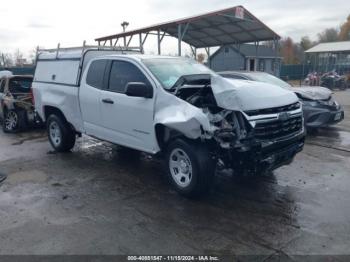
{"x": 89, "y": 96}
{"x": 127, "y": 120}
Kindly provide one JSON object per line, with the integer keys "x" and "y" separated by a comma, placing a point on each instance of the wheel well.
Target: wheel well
{"x": 50, "y": 110}
{"x": 165, "y": 134}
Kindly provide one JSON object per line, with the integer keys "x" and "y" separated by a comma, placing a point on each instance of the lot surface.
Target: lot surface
{"x": 97, "y": 200}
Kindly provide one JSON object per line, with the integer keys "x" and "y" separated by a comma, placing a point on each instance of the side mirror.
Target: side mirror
{"x": 139, "y": 89}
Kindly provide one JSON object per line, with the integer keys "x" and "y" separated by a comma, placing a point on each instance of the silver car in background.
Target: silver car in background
{"x": 319, "y": 107}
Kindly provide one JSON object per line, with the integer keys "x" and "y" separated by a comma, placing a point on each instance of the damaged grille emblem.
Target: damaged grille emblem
{"x": 283, "y": 116}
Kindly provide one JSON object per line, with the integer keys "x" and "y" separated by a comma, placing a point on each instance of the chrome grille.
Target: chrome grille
{"x": 277, "y": 128}
{"x": 274, "y": 110}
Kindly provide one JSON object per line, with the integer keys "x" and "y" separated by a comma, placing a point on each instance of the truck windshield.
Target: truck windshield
{"x": 169, "y": 70}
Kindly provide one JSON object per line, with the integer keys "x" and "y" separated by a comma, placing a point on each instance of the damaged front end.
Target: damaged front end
{"x": 246, "y": 130}
{"x": 252, "y": 142}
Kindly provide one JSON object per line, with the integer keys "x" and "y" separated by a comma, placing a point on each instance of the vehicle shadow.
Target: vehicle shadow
{"x": 238, "y": 215}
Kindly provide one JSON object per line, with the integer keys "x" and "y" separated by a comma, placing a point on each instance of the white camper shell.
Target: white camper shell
{"x": 60, "y": 69}
{"x": 65, "y": 65}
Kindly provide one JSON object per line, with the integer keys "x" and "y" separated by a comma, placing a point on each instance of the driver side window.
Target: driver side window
{"x": 122, "y": 73}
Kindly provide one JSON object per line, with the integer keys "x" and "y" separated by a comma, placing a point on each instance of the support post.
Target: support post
{"x": 58, "y": 49}
{"x": 207, "y": 50}
{"x": 257, "y": 62}
{"x": 141, "y": 43}
{"x": 275, "y": 47}
{"x": 194, "y": 52}
{"x": 159, "y": 42}
{"x": 303, "y": 72}
{"x": 179, "y": 34}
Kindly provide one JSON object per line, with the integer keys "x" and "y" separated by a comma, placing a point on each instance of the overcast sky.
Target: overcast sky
{"x": 25, "y": 24}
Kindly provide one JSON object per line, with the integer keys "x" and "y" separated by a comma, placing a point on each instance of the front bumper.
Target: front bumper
{"x": 267, "y": 156}
{"x": 320, "y": 117}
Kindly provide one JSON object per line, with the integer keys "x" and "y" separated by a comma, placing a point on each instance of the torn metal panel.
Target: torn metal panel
{"x": 179, "y": 115}
{"x": 240, "y": 95}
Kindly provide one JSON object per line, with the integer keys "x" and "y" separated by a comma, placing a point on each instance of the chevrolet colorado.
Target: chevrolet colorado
{"x": 176, "y": 107}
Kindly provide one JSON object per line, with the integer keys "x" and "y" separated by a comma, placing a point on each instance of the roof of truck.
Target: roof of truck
{"x": 142, "y": 56}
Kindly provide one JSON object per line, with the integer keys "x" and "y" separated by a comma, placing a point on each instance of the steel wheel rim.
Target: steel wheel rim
{"x": 180, "y": 167}
{"x": 55, "y": 133}
{"x": 11, "y": 120}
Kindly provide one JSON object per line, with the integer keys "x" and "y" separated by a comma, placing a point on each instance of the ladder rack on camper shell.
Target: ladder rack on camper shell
{"x": 85, "y": 48}
{"x": 76, "y": 58}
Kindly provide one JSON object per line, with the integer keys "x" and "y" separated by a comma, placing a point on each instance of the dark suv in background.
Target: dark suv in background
{"x": 16, "y": 102}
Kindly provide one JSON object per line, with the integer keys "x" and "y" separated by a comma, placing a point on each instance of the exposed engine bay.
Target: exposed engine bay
{"x": 233, "y": 137}
{"x": 230, "y": 126}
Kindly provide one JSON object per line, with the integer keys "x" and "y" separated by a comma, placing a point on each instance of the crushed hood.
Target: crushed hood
{"x": 242, "y": 95}
{"x": 313, "y": 92}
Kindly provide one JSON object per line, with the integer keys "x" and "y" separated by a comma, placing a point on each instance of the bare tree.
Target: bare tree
{"x": 32, "y": 55}
{"x": 328, "y": 35}
{"x": 18, "y": 58}
{"x": 289, "y": 51}
{"x": 6, "y": 60}
{"x": 306, "y": 43}
{"x": 201, "y": 57}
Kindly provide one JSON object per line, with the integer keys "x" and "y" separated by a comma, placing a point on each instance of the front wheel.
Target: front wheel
{"x": 61, "y": 135}
{"x": 190, "y": 168}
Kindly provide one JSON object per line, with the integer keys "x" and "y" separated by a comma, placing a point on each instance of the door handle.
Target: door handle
{"x": 107, "y": 101}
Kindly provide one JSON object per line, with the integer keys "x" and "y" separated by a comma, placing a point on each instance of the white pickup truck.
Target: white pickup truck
{"x": 174, "y": 106}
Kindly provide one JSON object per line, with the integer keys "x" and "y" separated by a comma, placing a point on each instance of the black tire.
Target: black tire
{"x": 18, "y": 125}
{"x": 67, "y": 135}
{"x": 202, "y": 167}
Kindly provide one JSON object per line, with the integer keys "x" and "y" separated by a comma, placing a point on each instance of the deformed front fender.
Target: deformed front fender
{"x": 181, "y": 116}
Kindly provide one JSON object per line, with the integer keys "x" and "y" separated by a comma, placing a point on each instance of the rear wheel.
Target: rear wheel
{"x": 190, "y": 168}
{"x": 61, "y": 135}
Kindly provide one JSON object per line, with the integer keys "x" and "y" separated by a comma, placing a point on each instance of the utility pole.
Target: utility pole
{"x": 124, "y": 25}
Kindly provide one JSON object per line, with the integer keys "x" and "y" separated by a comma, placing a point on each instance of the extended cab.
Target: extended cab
{"x": 198, "y": 120}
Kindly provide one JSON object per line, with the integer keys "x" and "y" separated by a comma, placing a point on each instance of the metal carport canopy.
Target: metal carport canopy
{"x": 235, "y": 25}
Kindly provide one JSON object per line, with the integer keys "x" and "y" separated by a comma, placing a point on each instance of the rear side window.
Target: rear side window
{"x": 20, "y": 84}
{"x": 123, "y": 73}
{"x": 96, "y": 73}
